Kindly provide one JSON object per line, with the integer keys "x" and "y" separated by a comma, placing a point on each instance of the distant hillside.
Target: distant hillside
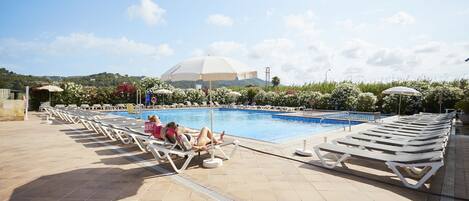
{"x": 102, "y": 79}
{"x": 11, "y": 80}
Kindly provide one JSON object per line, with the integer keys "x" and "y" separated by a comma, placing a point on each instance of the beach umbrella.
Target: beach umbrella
{"x": 406, "y": 91}
{"x": 209, "y": 68}
{"x": 51, "y": 88}
{"x": 163, "y": 92}
{"x": 234, "y": 93}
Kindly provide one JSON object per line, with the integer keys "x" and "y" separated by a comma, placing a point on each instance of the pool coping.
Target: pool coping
{"x": 275, "y": 114}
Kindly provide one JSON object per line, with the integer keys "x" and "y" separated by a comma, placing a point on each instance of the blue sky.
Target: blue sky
{"x": 300, "y": 40}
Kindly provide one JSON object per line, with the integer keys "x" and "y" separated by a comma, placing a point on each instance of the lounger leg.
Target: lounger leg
{"x": 334, "y": 164}
{"x": 140, "y": 143}
{"x": 184, "y": 166}
{"x": 119, "y": 135}
{"x": 434, "y": 168}
{"x": 107, "y": 133}
{"x": 225, "y": 156}
{"x": 156, "y": 153}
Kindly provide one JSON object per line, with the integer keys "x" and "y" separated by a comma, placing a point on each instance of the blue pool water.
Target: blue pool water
{"x": 260, "y": 125}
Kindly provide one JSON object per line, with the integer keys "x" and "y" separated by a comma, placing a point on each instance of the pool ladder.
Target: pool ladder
{"x": 345, "y": 125}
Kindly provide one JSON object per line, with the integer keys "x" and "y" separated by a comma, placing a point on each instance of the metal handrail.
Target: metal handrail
{"x": 349, "y": 120}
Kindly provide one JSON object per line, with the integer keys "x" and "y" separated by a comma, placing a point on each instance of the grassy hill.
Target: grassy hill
{"x": 12, "y": 80}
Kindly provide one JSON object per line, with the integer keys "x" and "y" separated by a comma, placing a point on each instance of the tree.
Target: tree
{"x": 275, "y": 81}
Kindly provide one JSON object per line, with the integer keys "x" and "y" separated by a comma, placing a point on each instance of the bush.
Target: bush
{"x": 344, "y": 96}
{"x": 72, "y": 94}
{"x": 287, "y": 99}
{"x": 325, "y": 102}
{"x": 179, "y": 96}
{"x": 463, "y": 105}
{"x": 309, "y": 99}
{"x": 195, "y": 95}
{"x": 449, "y": 96}
{"x": 220, "y": 95}
{"x": 409, "y": 104}
{"x": 366, "y": 102}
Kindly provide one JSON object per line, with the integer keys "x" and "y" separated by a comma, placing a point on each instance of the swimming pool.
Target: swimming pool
{"x": 260, "y": 125}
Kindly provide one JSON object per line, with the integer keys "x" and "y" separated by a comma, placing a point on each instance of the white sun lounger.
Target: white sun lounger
{"x": 430, "y": 162}
{"x": 165, "y": 152}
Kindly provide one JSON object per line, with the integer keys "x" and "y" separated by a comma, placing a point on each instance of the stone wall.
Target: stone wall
{"x": 11, "y": 110}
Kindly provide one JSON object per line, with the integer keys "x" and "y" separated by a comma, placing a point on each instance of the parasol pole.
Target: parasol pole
{"x": 400, "y": 97}
{"x": 211, "y": 118}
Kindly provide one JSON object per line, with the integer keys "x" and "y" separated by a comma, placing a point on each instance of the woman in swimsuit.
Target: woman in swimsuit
{"x": 199, "y": 140}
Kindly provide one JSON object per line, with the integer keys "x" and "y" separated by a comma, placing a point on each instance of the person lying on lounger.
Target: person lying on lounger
{"x": 157, "y": 128}
{"x": 190, "y": 138}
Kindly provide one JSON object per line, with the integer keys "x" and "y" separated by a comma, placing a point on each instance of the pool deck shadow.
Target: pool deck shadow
{"x": 249, "y": 175}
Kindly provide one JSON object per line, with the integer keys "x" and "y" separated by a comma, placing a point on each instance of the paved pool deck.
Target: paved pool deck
{"x": 63, "y": 161}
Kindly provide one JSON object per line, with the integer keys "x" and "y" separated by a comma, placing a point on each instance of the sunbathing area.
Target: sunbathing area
{"x": 107, "y": 157}
{"x": 151, "y": 100}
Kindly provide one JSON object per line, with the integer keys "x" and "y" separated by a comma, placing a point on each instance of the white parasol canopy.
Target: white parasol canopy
{"x": 163, "y": 91}
{"x": 400, "y": 90}
{"x": 208, "y": 68}
{"x": 51, "y": 88}
{"x": 234, "y": 93}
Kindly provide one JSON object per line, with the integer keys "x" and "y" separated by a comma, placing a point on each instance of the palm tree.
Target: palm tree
{"x": 275, "y": 81}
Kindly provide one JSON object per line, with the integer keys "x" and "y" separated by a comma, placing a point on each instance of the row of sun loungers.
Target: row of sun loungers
{"x": 131, "y": 131}
{"x": 415, "y": 144}
{"x": 109, "y": 107}
{"x": 264, "y": 107}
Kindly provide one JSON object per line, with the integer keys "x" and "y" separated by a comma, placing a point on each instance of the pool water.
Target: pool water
{"x": 259, "y": 125}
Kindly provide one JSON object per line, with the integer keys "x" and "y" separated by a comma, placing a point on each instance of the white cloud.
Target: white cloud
{"x": 164, "y": 50}
{"x": 356, "y": 48}
{"x": 429, "y": 47}
{"x": 303, "y": 23}
{"x": 269, "y": 12}
{"x": 225, "y": 48}
{"x": 350, "y": 25}
{"x": 396, "y": 58}
{"x": 220, "y": 20}
{"x": 465, "y": 46}
{"x": 147, "y": 10}
{"x": 401, "y": 18}
{"x": 222, "y": 48}
{"x": 85, "y": 53}
{"x": 353, "y": 70}
{"x": 271, "y": 47}
{"x": 80, "y": 42}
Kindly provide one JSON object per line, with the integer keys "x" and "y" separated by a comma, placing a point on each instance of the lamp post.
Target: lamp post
{"x": 325, "y": 80}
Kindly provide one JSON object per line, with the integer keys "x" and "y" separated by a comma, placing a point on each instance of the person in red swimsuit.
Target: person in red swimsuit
{"x": 199, "y": 140}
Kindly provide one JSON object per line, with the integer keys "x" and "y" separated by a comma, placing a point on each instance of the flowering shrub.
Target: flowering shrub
{"x": 195, "y": 95}
{"x": 154, "y": 84}
{"x": 220, "y": 95}
{"x": 247, "y": 95}
{"x": 366, "y": 102}
{"x": 449, "y": 96}
{"x": 179, "y": 95}
{"x": 409, "y": 104}
{"x": 309, "y": 98}
{"x": 72, "y": 94}
{"x": 287, "y": 99}
{"x": 232, "y": 97}
{"x": 325, "y": 102}
{"x": 344, "y": 96}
